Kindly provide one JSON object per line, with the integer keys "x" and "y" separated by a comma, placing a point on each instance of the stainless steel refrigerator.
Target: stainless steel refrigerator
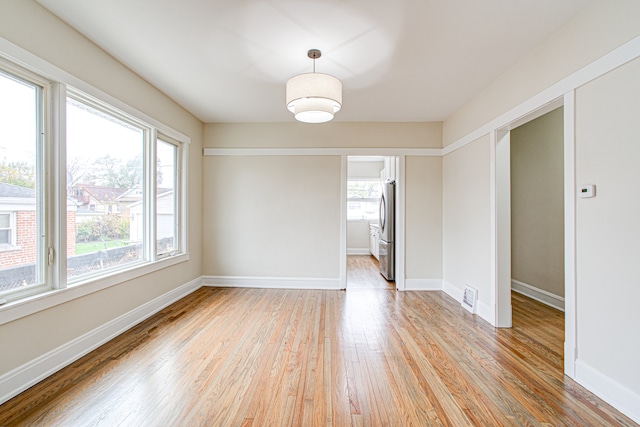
{"x": 387, "y": 230}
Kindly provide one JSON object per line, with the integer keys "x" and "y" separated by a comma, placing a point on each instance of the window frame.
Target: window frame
{"x": 179, "y": 233}
{"x": 12, "y": 231}
{"x": 43, "y": 93}
{"x": 54, "y": 85}
{"x": 361, "y": 199}
{"x": 104, "y": 108}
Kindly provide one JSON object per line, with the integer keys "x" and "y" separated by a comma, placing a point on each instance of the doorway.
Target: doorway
{"x": 365, "y": 176}
{"x": 534, "y": 216}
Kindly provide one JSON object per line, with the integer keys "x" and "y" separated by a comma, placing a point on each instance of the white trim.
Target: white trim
{"x": 55, "y": 193}
{"x": 272, "y": 282}
{"x": 423, "y": 284}
{"x": 570, "y": 312}
{"x": 358, "y": 251}
{"x": 547, "y": 108}
{"x": 617, "y": 395}
{"x": 20, "y": 308}
{"x": 500, "y": 171}
{"x": 387, "y": 152}
{"x": 19, "y": 379}
{"x": 13, "y": 204}
{"x": 344, "y": 176}
{"x": 401, "y": 196}
{"x": 453, "y": 291}
{"x": 614, "y": 59}
{"x": 540, "y": 295}
{"x": 486, "y": 312}
{"x": 483, "y": 310}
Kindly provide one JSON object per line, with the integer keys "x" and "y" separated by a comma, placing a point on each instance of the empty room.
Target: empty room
{"x": 257, "y": 213}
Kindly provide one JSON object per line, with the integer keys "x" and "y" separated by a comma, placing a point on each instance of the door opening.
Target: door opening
{"x": 531, "y": 194}
{"x": 370, "y": 215}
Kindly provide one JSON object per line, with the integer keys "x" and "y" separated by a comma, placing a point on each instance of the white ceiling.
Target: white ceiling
{"x": 399, "y": 60}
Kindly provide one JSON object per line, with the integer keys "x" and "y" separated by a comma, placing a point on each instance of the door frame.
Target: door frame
{"x": 501, "y": 222}
{"x": 399, "y": 215}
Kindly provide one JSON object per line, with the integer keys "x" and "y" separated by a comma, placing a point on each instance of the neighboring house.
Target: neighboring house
{"x": 18, "y": 226}
{"x": 96, "y": 200}
{"x": 165, "y": 221}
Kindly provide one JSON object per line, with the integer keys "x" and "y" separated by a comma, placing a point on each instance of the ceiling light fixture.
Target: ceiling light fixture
{"x": 314, "y": 97}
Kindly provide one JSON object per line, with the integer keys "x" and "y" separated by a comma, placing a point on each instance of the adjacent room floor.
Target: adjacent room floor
{"x": 363, "y": 272}
{"x": 264, "y": 357}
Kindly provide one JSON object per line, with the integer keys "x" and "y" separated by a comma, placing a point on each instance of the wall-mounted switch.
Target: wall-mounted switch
{"x": 587, "y": 191}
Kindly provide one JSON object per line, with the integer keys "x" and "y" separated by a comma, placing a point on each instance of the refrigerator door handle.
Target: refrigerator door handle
{"x": 382, "y": 212}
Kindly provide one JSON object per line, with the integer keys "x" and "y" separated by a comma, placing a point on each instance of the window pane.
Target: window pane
{"x": 4, "y": 221}
{"x": 363, "y": 189}
{"x": 166, "y": 207}
{"x": 105, "y": 214}
{"x": 368, "y": 191}
{"x": 5, "y": 237}
{"x": 20, "y": 219}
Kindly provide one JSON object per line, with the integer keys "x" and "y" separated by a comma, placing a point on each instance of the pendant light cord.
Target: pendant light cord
{"x": 314, "y": 54}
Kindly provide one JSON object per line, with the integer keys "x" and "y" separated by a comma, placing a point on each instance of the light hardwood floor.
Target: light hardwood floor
{"x": 256, "y": 357}
{"x": 363, "y": 272}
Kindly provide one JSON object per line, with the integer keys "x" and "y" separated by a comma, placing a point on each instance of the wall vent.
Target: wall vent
{"x": 470, "y": 298}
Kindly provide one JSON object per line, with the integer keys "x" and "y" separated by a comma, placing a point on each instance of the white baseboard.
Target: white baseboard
{"x": 358, "y": 251}
{"x": 452, "y": 290}
{"x": 545, "y": 297}
{"x": 271, "y": 282}
{"x": 423, "y": 284}
{"x": 21, "y": 378}
{"x": 482, "y": 309}
{"x": 612, "y": 392}
{"x": 485, "y": 312}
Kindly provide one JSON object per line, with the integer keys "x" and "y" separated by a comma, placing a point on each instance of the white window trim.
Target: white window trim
{"x": 148, "y": 152}
{"x": 56, "y": 82}
{"x": 179, "y": 193}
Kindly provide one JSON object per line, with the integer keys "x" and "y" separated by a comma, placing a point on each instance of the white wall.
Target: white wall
{"x": 466, "y": 219}
{"x": 358, "y": 236}
{"x": 272, "y": 216}
{"x": 365, "y": 169}
{"x": 27, "y": 25}
{"x": 607, "y": 228}
{"x": 605, "y": 321}
{"x": 329, "y": 135}
{"x": 319, "y": 257}
{"x": 423, "y": 220}
{"x": 603, "y": 26}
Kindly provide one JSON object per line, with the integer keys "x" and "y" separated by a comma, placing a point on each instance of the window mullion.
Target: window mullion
{"x": 150, "y": 177}
{"x": 182, "y": 198}
{"x": 57, "y": 182}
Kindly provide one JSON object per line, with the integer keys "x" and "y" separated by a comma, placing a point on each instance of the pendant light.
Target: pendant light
{"x": 314, "y": 97}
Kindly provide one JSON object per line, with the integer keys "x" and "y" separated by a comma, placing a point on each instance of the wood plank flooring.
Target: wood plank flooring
{"x": 363, "y": 272}
{"x": 363, "y": 357}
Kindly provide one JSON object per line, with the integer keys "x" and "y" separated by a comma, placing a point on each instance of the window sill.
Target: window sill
{"x": 9, "y": 248}
{"x": 24, "y": 307}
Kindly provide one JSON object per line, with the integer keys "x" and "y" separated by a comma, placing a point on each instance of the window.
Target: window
{"x": 119, "y": 206}
{"x": 6, "y": 229}
{"x": 167, "y": 178}
{"x": 363, "y": 197}
{"x": 105, "y": 159}
{"x": 21, "y": 191}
